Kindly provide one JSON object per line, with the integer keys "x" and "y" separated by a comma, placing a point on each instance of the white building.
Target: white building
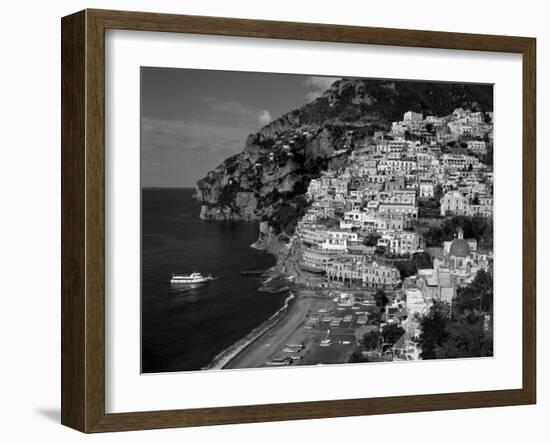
{"x": 477, "y": 146}
{"x": 426, "y": 189}
{"x": 454, "y": 203}
{"x": 400, "y": 243}
{"x": 411, "y": 116}
{"x": 409, "y": 210}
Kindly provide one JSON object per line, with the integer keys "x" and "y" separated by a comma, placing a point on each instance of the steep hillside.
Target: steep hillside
{"x": 268, "y": 178}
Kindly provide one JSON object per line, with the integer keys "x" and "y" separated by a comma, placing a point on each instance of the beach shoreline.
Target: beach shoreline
{"x": 224, "y": 358}
{"x": 293, "y": 329}
{"x": 306, "y": 321}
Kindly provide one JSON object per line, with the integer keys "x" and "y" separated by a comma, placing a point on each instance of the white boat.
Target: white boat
{"x": 327, "y": 341}
{"x": 277, "y": 362}
{"x": 193, "y": 278}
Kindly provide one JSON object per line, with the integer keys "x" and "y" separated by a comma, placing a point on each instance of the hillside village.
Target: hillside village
{"x": 397, "y": 216}
{"x": 376, "y": 198}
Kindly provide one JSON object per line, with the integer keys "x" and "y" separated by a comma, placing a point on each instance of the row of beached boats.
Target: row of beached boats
{"x": 291, "y": 353}
{"x": 325, "y": 318}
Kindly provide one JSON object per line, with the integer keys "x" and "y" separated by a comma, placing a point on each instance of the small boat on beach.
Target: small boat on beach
{"x": 345, "y": 304}
{"x": 278, "y": 362}
{"x": 193, "y": 278}
{"x": 299, "y": 346}
{"x": 327, "y": 341}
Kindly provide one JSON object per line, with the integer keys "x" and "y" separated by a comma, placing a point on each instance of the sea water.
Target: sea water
{"x": 184, "y": 328}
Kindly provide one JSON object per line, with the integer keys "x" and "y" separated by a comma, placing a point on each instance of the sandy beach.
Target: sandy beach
{"x": 295, "y": 327}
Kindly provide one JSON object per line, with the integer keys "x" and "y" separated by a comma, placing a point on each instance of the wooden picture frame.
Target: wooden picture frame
{"x": 83, "y": 220}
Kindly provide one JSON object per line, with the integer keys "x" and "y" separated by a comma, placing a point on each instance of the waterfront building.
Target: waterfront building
{"x": 316, "y": 261}
{"x": 353, "y": 270}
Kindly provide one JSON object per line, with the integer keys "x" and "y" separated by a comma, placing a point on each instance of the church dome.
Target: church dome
{"x": 460, "y": 248}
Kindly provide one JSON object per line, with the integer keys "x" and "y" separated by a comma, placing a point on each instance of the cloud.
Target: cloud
{"x": 231, "y": 107}
{"x": 264, "y": 117}
{"x": 191, "y": 136}
{"x": 320, "y": 82}
{"x": 180, "y": 152}
{"x": 317, "y": 86}
{"x": 242, "y": 112}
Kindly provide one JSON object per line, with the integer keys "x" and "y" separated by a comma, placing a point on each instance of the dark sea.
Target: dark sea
{"x": 185, "y": 328}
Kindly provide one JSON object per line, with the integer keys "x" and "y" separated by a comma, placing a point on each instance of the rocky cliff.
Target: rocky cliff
{"x": 267, "y": 180}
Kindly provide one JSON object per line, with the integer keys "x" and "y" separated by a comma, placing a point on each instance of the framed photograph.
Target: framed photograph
{"x": 267, "y": 221}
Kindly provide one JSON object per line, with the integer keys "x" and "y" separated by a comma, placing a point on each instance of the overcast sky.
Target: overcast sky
{"x": 191, "y": 120}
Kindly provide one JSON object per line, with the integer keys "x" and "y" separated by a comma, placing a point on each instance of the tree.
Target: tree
{"x": 371, "y": 340}
{"x": 381, "y": 299}
{"x": 371, "y": 240}
{"x": 476, "y": 227}
{"x": 286, "y": 214}
{"x": 420, "y": 260}
{"x": 433, "y": 328}
{"x": 477, "y": 296}
{"x": 468, "y": 331}
{"x": 438, "y": 192}
{"x": 391, "y": 333}
{"x": 467, "y": 338}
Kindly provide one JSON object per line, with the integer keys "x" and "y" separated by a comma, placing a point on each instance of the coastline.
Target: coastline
{"x": 293, "y": 329}
{"x": 289, "y": 325}
{"x": 224, "y": 358}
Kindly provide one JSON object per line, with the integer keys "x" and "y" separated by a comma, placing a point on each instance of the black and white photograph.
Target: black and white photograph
{"x": 300, "y": 220}
{"x": 267, "y": 222}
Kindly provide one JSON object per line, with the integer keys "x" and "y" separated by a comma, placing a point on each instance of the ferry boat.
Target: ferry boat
{"x": 193, "y": 278}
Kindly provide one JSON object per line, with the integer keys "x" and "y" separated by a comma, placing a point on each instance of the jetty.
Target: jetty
{"x": 252, "y": 272}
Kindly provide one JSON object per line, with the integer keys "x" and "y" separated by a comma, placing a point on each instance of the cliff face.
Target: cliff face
{"x": 267, "y": 180}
